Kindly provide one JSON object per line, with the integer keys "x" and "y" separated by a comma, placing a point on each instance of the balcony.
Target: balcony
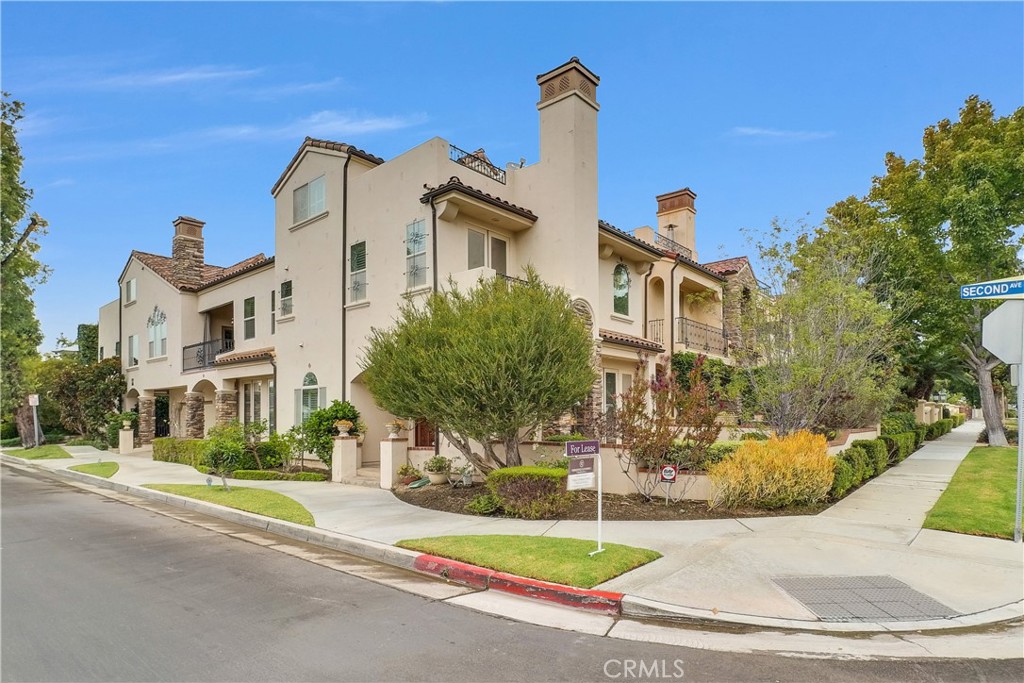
{"x": 473, "y": 160}
{"x": 656, "y": 330}
{"x": 201, "y": 355}
{"x": 671, "y": 245}
{"x": 700, "y": 337}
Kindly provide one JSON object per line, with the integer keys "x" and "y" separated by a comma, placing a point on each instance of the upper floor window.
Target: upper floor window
{"x": 309, "y": 200}
{"x": 249, "y": 318}
{"x": 487, "y": 249}
{"x": 286, "y": 297}
{"x": 416, "y": 254}
{"x": 620, "y": 289}
{"x": 357, "y": 262}
{"x": 157, "y": 324}
{"x": 133, "y": 350}
{"x": 130, "y": 291}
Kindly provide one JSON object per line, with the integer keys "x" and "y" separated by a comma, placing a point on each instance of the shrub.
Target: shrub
{"x": 898, "y": 423}
{"x": 274, "y": 451}
{"x": 407, "y": 470}
{"x": 860, "y": 467}
{"x": 562, "y": 438}
{"x": 792, "y": 470}
{"x": 559, "y": 464}
{"x": 920, "y": 434}
{"x": 85, "y": 441}
{"x": 8, "y": 431}
{"x": 899, "y": 445}
{"x": 484, "y": 504}
{"x": 843, "y": 479}
{"x": 438, "y": 464}
{"x": 7, "y": 443}
{"x": 1009, "y": 430}
{"x": 531, "y": 492}
{"x": 183, "y": 451}
{"x": 307, "y": 476}
{"x": 755, "y": 436}
{"x": 717, "y": 452}
{"x": 259, "y": 474}
{"x": 114, "y": 421}
{"x": 319, "y": 430}
{"x": 877, "y": 452}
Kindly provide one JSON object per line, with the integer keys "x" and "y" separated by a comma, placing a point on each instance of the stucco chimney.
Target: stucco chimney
{"x": 677, "y": 218}
{"x": 187, "y": 251}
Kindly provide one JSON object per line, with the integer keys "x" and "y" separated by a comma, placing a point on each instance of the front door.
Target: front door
{"x": 163, "y": 415}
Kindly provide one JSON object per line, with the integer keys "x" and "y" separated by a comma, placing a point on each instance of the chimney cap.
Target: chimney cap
{"x": 190, "y": 220}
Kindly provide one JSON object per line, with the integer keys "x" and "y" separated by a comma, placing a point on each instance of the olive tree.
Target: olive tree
{"x": 486, "y": 365}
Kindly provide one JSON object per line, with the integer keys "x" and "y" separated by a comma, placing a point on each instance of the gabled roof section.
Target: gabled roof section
{"x": 730, "y": 265}
{"x": 233, "y": 357}
{"x": 622, "y": 339}
{"x": 454, "y": 184}
{"x": 623, "y": 235}
{"x": 314, "y": 143}
{"x": 164, "y": 267}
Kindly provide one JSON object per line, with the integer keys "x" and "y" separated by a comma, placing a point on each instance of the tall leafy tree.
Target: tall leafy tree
{"x": 951, "y": 218}
{"x": 20, "y": 270}
{"x": 490, "y": 364}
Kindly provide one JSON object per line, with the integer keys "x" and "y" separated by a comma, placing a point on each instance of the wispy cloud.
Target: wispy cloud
{"x": 38, "y": 124}
{"x": 282, "y": 90}
{"x": 59, "y": 182}
{"x": 104, "y": 79}
{"x": 778, "y": 135}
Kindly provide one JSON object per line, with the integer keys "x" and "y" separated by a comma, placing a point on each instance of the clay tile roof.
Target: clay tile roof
{"x": 622, "y": 234}
{"x": 728, "y": 266}
{"x": 164, "y": 267}
{"x": 455, "y": 184}
{"x": 243, "y": 356}
{"x": 324, "y": 144}
{"x": 630, "y": 340}
{"x": 248, "y": 264}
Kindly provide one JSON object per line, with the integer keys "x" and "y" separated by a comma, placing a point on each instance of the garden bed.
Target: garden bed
{"x": 615, "y": 507}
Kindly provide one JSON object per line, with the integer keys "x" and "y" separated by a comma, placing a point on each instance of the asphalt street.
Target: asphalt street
{"x": 98, "y": 590}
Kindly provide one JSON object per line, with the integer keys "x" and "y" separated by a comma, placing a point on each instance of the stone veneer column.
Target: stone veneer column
{"x": 147, "y": 419}
{"x": 225, "y": 404}
{"x": 195, "y": 424}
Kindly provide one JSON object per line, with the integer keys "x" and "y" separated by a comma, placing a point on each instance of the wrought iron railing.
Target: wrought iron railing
{"x": 472, "y": 161}
{"x": 701, "y": 337}
{"x": 671, "y": 245}
{"x": 656, "y": 330}
{"x": 202, "y": 355}
{"x": 512, "y": 279}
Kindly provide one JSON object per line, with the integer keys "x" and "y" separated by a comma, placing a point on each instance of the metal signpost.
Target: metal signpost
{"x": 33, "y": 400}
{"x": 667, "y": 476}
{"x": 1003, "y": 335}
{"x": 582, "y": 457}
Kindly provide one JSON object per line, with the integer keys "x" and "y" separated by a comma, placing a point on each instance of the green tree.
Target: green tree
{"x": 87, "y": 394}
{"x": 20, "y": 271}
{"x": 493, "y": 363}
{"x": 951, "y": 218}
{"x": 88, "y": 343}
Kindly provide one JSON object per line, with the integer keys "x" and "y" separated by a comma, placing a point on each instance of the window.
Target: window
{"x": 130, "y": 291}
{"x": 308, "y": 200}
{"x": 251, "y": 408}
{"x": 157, "y": 324}
{"x": 272, "y": 406}
{"x": 357, "y": 262}
{"x": 133, "y": 350}
{"x": 117, "y": 349}
{"x": 488, "y": 250}
{"x": 620, "y": 289}
{"x": 610, "y": 391}
{"x": 286, "y": 298}
{"x": 415, "y": 254}
{"x": 309, "y": 398}
{"x": 249, "y": 318}
{"x": 273, "y": 311}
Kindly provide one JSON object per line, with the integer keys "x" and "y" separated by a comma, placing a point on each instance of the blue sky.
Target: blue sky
{"x": 141, "y": 112}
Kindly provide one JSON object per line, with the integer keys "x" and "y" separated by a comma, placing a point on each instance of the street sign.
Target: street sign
{"x": 1002, "y": 331}
{"x": 668, "y": 474}
{"x": 581, "y": 472}
{"x": 1007, "y": 288}
{"x": 33, "y": 399}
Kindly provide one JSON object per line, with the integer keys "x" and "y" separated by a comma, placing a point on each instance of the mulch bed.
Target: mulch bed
{"x": 615, "y": 507}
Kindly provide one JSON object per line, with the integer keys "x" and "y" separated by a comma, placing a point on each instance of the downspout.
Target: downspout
{"x": 120, "y": 341}
{"x": 672, "y": 309}
{"x": 344, "y": 274}
{"x": 273, "y": 364}
{"x": 433, "y": 247}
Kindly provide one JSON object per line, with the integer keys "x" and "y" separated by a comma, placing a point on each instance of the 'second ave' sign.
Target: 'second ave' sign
{"x": 995, "y": 289}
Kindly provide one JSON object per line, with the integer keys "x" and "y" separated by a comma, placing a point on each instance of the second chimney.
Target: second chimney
{"x": 187, "y": 255}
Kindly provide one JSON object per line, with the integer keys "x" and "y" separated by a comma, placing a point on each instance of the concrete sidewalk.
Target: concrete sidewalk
{"x": 716, "y": 570}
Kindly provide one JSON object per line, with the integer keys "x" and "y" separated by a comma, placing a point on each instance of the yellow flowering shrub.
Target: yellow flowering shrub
{"x": 792, "y": 470}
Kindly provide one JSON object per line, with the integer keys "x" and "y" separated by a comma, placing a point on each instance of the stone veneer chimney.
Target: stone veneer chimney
{"x": 187, "y": 251}
{"x": 677, "y": 218}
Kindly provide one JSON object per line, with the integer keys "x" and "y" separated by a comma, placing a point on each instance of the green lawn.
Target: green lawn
{"x": 981, "y": 497}
{"x": 50, "y": 452}
{"x": 266, "y": 503}
{"x": 98, "y": 469}
{"x": 559, "y": 560}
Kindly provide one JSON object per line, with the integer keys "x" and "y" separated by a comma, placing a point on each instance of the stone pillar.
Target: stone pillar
{"x": 195, "y": 424}
{"x": 393, "y": 454}
{"x": 147, "y": 419}
{"x": 225, "y": 404}
{"x": 344, "y": 458}
{"x": 125, "y": 441}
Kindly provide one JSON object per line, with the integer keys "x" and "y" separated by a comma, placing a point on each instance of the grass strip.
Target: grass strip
{"x": 259, "y": 501}
{"x": 98, "y": 469}
{"x": 49, "y": 452}
{"x": 559, "y": 560}
{"x": 980, "y": 498}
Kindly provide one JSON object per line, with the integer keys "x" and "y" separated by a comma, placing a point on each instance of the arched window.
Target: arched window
{"x": 620, "y": 289}
{"x": 309, "y": 398}
{"x": 309, "y": 380}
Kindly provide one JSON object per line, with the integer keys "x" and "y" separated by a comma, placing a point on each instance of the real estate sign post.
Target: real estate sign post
{"x": 1003, "y": 334}
{"x": 582, "y": 457}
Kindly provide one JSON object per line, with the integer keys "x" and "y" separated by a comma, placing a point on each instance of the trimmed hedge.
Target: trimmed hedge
{"x": 270, "y": 475}
{"x": 939, "y": 428}
{"x": 531, "y": 492}
{"x": 877, "y": 452}
{"x": 183, "y": 451}
{"x": 844, "y": 478}
{"x": 898, "y": 423}
{"x": 920, "y": 434}
{"x": 899, "y": 446}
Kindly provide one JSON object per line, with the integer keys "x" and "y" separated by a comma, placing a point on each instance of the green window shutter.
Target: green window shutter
{"x": 358, "y": 256}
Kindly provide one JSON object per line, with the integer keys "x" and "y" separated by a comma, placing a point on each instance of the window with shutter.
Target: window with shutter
{"x": 249, "y": 317}
{"x": 416, "y": 254}
{"x": 357, "y": 263}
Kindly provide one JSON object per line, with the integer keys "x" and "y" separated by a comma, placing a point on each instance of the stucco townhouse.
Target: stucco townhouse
{"x": 274, "y": 338}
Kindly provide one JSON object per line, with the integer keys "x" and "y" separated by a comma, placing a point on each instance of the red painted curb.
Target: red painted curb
{"x": 478, "y": 577}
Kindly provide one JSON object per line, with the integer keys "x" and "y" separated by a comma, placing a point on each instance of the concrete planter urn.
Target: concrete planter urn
{"x": 126, "y": 424}
{"x": 437, "y": 477}
{"x": 343, "y": 427}
{"x": 394, "y": 429}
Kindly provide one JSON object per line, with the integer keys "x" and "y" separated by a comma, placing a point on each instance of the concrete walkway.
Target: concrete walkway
{"x": 720, "y": 570}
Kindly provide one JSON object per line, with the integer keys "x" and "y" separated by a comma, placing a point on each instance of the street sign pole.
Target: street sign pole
{"x": 600, "y": 495}
{"x": 1020, "y": 450}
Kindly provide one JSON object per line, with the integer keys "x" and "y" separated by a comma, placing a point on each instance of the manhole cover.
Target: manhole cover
{"x": 862, "y": 598}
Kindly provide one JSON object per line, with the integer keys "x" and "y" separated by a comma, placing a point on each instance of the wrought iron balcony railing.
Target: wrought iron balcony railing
{"x": 656, "y": 330}
{"x": 202, "y": 355}
{"x": 472, "y": 161}
{"x": 701, "y": 337}
{"x": 671, "y": 245}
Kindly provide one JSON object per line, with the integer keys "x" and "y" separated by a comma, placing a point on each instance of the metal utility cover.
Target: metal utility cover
{"x": 1002, "y": 329}
{"x": 862, "y": 598}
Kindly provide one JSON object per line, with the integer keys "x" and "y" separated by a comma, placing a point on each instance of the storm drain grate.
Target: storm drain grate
{"x": 862, "y": 598}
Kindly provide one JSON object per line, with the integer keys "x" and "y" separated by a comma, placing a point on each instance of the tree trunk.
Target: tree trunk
{"x": 512, "y": 456}
{"x": 993, "y": 416}
{"x": 25, "y": 421}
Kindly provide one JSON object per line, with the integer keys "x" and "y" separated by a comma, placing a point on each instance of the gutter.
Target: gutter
{"x": 433, "y": 242}
{"x": 344, "y": 275}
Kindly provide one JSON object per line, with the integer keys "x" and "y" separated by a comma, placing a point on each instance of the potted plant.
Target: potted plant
{"x": 394, "y": 427}
{"x": 343, "y": 427}
{"x": 360, "y": 431}
{"x": 407, "y": 474}
{"x": 437, "y": 469}
{"x": 462, "y": 477}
